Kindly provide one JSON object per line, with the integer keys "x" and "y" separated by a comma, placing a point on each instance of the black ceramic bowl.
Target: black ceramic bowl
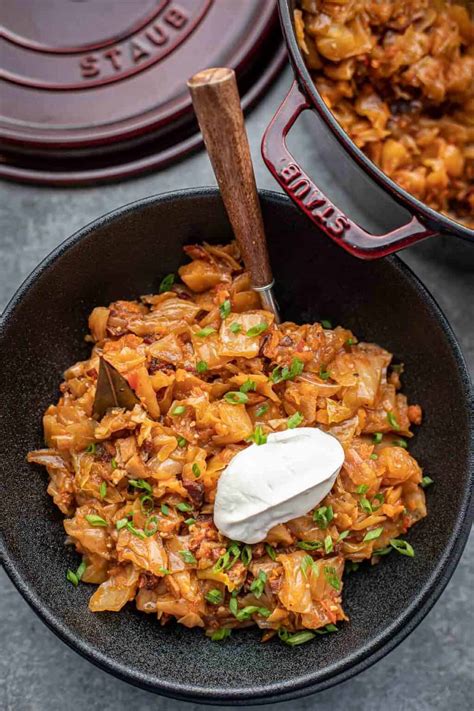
{"x": 125, "y": 254}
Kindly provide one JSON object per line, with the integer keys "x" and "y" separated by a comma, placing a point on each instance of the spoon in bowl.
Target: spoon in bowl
{"x": 217, "y": 105}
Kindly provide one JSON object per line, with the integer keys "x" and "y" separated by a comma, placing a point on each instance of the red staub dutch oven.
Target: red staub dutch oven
{"x": 425, "y": 222}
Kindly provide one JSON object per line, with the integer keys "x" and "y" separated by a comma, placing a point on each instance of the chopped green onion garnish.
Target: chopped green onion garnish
{"x": 257, "y": 330}
{"x": 362, "y": 489}
{"x": 164, "y": 571}
{"x": 140, "y": 484}
{"x": 121, "y": 523}
{"x": 166, "y": 283}
{"x": 81, "y": 570}
{"x": 323, "y": 516}
{"x": 295, "y": 420}
{"x": 294, "y": 640}
{"x": 326, "y": 629}
{"x": 196, "y": 469}
{"x": 328, "y": 545}
{"x": 183, "y": 506}
{"x": 309, "y": 545}
{"x": 233, "y": 605}
{"x": 95, "y": 520}
{"x": 225, "y": 562}
{"x": 258, "y": 436}
{"x": 258, "y": 584}
{"x": 350, "y": 342}
{"x": 365, "y": 505}
{"x": 72, "y": 577}
{"x": 351, "y": 566}
{"x": 400, "y": 443}
{"x": 224, "y": 309}
{"x": 235, "y": 397}
{"x": 262, "y": 409}
{"x": 146, "y": 504}
{"x": 392, "y": 421}
{"x": 179, "y": 410}
{"x": 205, "y": 332}
{"x": 220, "y": 634}
{"x": 306, "y": 563}
{"x": 372, "y": 535}
{"x": 331, "y": 577}
{"x": 323, "y": 373}
{"x": 246, "y": 555}
{"x": 187, "y": 556}
{"x": 246, "y": 612}
{"x": 374, "y": 456}
{"x": 378, "y": 436}
{"x": 135, "y": 531}
{"x": 383, "y": 551}
{"x": 190, "y": 521}
{"x": 426, "y": 481}
{"x": 201, "y": 366}
{"x": 326, "y": 324}
{"x": 214, "y": 596}
{"x": 181, "y": 442}
{"x": 155, "y": 525}
{"x": 113, "y": 463}
{"x": 402, "y": 547}
{"x": 271, "y": 552}
{"x": 91, "y": 449}
{"x": 164, "y": 509}
{"x": 248, "y": 385}
{"x": 342, "y": 535}
{"x": 279, "y": 374}
{"x": 235, "y": 327}
{"x": 103, "y": 490}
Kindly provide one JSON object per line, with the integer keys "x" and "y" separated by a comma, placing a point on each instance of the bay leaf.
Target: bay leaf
{"x": 112, "y": 390}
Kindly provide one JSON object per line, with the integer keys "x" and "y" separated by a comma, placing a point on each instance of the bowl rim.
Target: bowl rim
{"x": 311, "y": 682}
{"x": 409, "y": 202}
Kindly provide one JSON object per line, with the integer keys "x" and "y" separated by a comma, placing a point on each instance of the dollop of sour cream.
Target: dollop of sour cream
{"x": 274, "y": 482}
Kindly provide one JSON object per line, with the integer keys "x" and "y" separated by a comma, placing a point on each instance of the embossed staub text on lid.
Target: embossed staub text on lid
{"x": 120, "y": 53}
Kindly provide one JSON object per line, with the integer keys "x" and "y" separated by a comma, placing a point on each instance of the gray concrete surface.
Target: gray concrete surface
{"x": 433, "y": 668}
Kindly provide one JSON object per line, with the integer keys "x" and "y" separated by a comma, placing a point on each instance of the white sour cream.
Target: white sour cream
{"x": 274, "y": 482}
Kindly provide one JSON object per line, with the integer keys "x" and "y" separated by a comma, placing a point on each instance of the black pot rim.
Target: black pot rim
{"x": 434, "y": 219}
{"x": 338, "y": 672}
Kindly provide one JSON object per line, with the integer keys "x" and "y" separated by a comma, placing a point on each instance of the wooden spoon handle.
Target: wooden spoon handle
{"x": 217, "y": 105}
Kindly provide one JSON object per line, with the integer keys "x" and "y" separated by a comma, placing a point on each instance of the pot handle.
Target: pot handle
{"x": 309, "y": 198}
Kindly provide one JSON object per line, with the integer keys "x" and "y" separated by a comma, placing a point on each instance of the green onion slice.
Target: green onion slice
{"x": 402, "y": 547}
{"x": 205, "y": 332}
{"x": 95, "y": 520}
{"x": 372, "y": 535}
{"x": 235, "y": 397}
{"x": 166, "y": 283}
{"x": 392, "y": 420}
{"x": 257, "y": 330}
{"x": 225, "y": 309}
{"x": 214, "y": 596}
{"x": 201, "y": 366}
{"x": 248, "y": 385}
{"x": 140, "y": 484}
{"x": 295, "y": 420}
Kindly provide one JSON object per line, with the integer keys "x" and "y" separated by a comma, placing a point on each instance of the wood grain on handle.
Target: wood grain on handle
{"x": 217, "y": 105}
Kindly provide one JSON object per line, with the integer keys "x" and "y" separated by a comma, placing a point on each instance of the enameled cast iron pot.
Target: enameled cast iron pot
{"x": 425, "y": 222}
{"x": 126, "y": 253}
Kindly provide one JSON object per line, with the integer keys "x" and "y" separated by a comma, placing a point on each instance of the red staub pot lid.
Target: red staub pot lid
{"x": 95, "y": 90}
